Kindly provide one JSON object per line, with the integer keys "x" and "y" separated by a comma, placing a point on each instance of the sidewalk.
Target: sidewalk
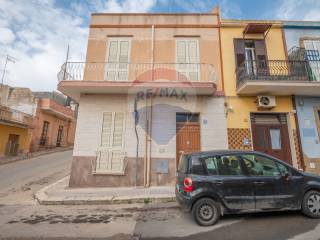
{"x": 60, "y": 194}
{"x": 5, "y": 160}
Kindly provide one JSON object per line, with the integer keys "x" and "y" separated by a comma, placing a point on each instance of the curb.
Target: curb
{"x": 44, "y": 199}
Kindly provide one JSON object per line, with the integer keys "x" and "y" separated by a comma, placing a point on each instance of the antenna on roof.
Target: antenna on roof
{"x": 8, "y": 59}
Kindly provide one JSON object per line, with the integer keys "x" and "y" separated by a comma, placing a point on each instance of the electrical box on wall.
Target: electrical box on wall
{"x": 266, "y": 102}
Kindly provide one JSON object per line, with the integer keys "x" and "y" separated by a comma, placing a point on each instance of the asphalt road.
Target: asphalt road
{"x": 21, "y": 218}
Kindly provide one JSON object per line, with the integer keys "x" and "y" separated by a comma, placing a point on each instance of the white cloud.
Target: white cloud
{"x": 7, "y": 36}
{"x": 37, "y": 34}
{"x": 298, "y": 10}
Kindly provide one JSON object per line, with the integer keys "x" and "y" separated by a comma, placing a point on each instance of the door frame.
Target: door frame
{"x": 290, "y": 134}
{"x": 198, "y": 123}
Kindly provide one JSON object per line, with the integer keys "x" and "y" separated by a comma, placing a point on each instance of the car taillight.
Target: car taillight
{"x": 187, "y": 184}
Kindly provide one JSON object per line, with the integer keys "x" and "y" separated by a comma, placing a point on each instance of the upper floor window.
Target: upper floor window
{"x": 187, "y": 55}
{"x": 118, "y": 57}
{"x": 313, "y": 56}
{"x": 252, "y": 55}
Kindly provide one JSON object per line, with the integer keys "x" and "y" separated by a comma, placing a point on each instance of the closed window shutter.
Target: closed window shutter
{"x": 124, "y": 52}
{"x": 193, "y": 52}
{"x": 181, "y": 52}
{"x": 113, "y": 52}
{"x": 239, "y": 51}
{"x": 261, "y": 52}
{"x": 118, "y": 130}
{"x": 106, "y": 129}
{"x": 193, "y": 58}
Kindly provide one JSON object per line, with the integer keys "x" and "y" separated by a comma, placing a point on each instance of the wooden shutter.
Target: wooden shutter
{"x": 239, "y": 51}
{"x": 118, "y": 130}
{"x": 106, "y": 130}
{"x": 113, "y": 52}
{"x": 123, "y": 61}
{"x": 193, "y": 58}
{"x": 112, "y": 61}
{"x": 261, "y": 53}
{"x": 181, "y": 52}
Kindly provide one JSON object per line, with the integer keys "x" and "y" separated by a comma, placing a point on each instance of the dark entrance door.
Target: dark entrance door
{"x": 12, "y": 147}
{"x": 59, "y": 136}
{"x": 270, "y": 135}
{"x": 188, "y": 134}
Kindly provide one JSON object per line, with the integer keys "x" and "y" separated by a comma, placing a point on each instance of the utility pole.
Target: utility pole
{"x": 8, "y": 59}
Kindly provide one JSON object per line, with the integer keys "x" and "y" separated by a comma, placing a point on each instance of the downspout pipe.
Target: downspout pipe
{"x": 149, "y": 115}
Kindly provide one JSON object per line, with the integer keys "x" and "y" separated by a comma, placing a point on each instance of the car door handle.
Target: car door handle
{"x": 218, "y": 182}
{"x": 259, "y": 183}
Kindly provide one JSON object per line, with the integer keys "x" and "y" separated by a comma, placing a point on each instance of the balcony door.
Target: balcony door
{"x": 251, "y": 57}
{"x": 313, "y": 56}
{"x": 187, "y": 59}
{"x": 117, "y": 66}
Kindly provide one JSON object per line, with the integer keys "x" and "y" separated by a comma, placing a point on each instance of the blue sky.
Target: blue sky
{"x": 37, "y": 32}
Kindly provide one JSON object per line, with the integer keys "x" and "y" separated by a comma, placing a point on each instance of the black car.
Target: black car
{"x": 210, "y": 184}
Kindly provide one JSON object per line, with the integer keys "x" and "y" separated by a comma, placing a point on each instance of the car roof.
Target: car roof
{"x": 221, "y": 152}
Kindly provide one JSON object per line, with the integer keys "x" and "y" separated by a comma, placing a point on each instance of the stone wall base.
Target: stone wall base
{"x": 82, "y": 174}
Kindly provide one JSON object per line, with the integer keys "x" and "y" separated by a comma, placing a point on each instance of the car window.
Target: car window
{"x": 184, "y": 162}
{"x": 223, "y": 165}
{"x": 260, "y": 166}
{"x": 283, "y": 169}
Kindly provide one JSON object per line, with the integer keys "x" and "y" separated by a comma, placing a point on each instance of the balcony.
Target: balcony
{"x": 121, "y": 78}
{"x": 51, "y": 107}
{"x": 16, "y": 118}
{"x": 279, "y": 78}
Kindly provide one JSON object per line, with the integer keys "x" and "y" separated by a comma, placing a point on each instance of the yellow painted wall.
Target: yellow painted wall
{"x": 24, "y": 139}
{"x": 239, "y": 117}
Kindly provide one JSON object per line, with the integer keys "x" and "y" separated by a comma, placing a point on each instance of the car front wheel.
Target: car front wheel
{"x": 206, "y": 212}
{"x": 311, "y": 204}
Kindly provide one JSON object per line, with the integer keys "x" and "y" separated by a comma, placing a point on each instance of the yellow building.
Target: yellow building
{"x": 14, "y": 132}
{"x": 259, "y": 84}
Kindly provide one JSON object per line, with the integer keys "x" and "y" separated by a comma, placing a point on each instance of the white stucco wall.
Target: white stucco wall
{"x": 212, "y": 118}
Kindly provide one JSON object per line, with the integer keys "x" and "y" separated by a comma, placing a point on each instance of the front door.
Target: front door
{"x": 59, "y": 136}
{"x": 270, "y": 135}
{"x": 12, "y": 147}
{"x": 188, "y": 134}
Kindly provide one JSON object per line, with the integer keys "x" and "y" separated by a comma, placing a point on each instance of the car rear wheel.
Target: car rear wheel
{"x": 311, "y": 204}
{"x": 206, "y": 212}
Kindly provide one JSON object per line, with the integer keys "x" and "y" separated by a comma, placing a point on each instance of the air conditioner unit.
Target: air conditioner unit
{"x": 266, "y": 102}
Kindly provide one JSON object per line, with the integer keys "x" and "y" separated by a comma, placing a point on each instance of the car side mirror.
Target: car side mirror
{"x": 287, "y": 176}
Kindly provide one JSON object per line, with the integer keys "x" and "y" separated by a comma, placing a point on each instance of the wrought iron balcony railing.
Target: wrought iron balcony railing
{"x": 15, "y": 117}
{"x": 106, "y": 71}
{"x": 278, "y": 70}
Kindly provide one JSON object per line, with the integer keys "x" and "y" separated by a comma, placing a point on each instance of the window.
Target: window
{"x": 187, "y": 52}
{"x": 118, "y": 60}
{"x": 43, "y": 138}
{"x": 223, "y": 165}
{"x": 260, "y": 166}
{"x": 187, "y": 117}
{"x": 251, "y": 56}
{"x": 283, "y": 169}
{"x": 313, "y": 56}
{"x": 275, "y": 136}
{"x": 111, "y": 155}
{"x": 184, "y": 162}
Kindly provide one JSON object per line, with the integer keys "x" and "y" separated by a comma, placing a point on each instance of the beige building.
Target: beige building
{"x": 150, "y": 89}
